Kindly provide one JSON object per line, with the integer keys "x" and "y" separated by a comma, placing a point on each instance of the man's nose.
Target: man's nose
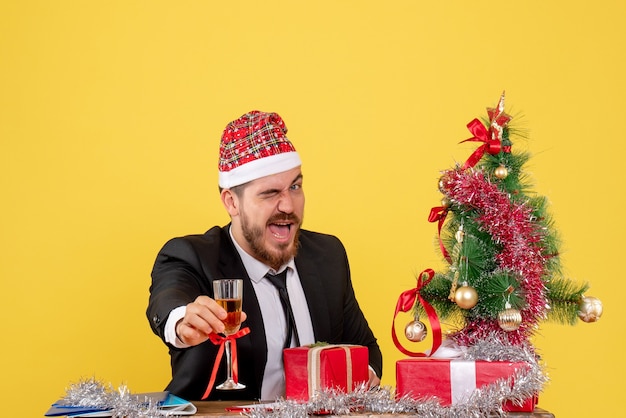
{"x": 285, "y": 202}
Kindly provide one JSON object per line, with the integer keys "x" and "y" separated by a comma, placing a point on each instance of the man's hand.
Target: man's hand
{"x": 374, "y": 381}
{"x": 202, "y": 317}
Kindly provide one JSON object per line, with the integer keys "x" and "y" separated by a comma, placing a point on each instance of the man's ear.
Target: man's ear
{"x": 230, "y": 202}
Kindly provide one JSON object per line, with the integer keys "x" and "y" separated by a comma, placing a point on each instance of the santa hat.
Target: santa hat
{"x": 255, "y": 146}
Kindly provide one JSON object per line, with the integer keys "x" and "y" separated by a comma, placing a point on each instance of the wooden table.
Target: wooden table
{"x": 218, "y": 409}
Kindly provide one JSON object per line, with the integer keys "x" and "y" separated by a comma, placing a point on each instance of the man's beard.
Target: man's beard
{"x": 273, "y": 258}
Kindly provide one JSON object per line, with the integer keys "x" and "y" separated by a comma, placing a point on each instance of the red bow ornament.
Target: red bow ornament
{"x": 405, "y": 304}
{"x": 492, "y": 138}
{"x": 438, "y": 214}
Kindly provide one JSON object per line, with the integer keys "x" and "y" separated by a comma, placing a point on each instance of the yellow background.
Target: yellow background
{"x": 111, "y": 114}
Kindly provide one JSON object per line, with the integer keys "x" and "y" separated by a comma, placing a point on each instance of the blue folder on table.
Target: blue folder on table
{"x": 168, "y": 403}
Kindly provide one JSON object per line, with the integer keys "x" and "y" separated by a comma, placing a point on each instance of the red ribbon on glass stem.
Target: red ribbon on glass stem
{"x": 405, "y": 304}
{"x": 221, "y": 341}
{"x": 481, "y": 134}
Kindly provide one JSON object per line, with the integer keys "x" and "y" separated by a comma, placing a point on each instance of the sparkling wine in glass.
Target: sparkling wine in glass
{"x": 228, "y": 294}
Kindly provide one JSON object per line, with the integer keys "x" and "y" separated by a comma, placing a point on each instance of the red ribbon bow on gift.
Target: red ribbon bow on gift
{"x": 221, "y": 341}
{"x": 405, "y": 304}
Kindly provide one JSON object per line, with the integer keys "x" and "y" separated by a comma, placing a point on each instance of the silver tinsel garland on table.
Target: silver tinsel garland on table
{"x": 120, "y": 403}
{"x": 484, "y": 402}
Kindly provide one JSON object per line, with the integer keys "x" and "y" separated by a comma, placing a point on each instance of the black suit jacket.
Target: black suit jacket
{"x": 185, "y": 268}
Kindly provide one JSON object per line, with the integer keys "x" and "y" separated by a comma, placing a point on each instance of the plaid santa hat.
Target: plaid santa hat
{"x": 255, "y": 146}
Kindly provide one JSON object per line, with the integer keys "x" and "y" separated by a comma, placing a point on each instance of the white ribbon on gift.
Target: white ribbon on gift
{"x": 462, "y": 380}
{"x": 462, "y": 372}
{"x": 313, "y": 366}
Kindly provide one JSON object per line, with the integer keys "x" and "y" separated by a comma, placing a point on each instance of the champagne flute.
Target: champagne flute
{"x": 228, "y": 294}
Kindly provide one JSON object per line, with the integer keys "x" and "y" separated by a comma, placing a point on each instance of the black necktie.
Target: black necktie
{"x": 280, "y": 281}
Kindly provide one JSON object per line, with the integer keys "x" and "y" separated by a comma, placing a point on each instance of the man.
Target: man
{"x": 260, "y": 182}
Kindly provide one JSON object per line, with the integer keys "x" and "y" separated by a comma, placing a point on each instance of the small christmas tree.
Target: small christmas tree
{"x": 502, "y": 250}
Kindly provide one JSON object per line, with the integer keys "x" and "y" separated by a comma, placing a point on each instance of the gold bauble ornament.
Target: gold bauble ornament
{"x": 509, "y": 319}
{"x": 441, "y": 184}
{"x": 443, "y": 181}
{"x": 445, "y": 202}
{"x": 590, "y": 309}
{"x": 501, "y": 172}
{"x": 466, "y": 297}
{"x": 415, "y": 331}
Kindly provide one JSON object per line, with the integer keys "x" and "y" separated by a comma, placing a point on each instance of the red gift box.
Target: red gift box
{"x": 309, "y": 370}
{"x": 452, "y": 381}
